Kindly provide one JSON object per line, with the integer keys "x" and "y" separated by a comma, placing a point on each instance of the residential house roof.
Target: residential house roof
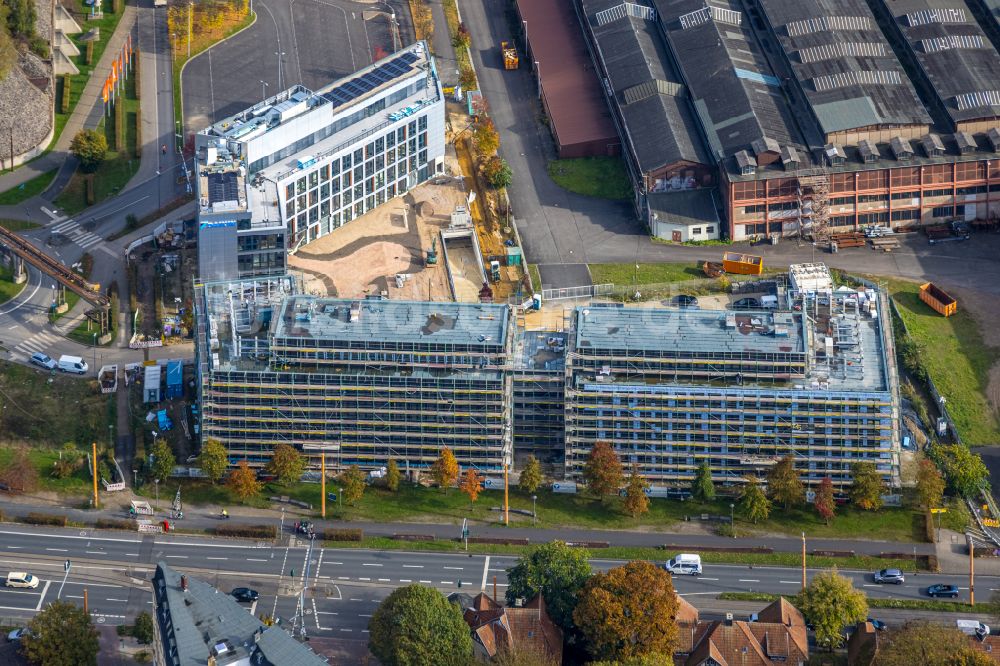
{"x": 779, "y": 637}
{"x": 527, "y": 628}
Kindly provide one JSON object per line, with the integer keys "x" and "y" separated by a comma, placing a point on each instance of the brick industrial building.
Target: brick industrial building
{"x": 802, "y": 116}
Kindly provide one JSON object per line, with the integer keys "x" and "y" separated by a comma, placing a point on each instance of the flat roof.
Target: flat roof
{"x": 845, "y": 65}
{"x": 736, "y": 94}
{"x": 540, "y": 351}
{"x": 570, "y": 85}
{"x": 659, "y": 120}
{"x": 954, "y": 53}
{"x": 428, "y": 323}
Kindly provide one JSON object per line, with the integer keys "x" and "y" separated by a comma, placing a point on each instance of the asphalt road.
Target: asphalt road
{"x": 343, "y": 588}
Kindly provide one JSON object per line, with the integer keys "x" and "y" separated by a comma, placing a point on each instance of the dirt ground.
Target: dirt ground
{"x": 364, "y": 256}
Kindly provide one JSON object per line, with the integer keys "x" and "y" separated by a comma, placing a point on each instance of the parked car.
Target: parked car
{"x": 44, "y": 360}
{"x": 21, "y": 579}
{"x": 746, "y": 304}
{"x": 684, "y": 301}
{"x": 878, "y": 625}
{"x": 244, "y": 594}
{"x": 890, "y": 576}
{"x": 17, "y": 634}
{"x": 73, "y": 364}
{"x": 685, "y": 564}
{"x": 941, "y": 590}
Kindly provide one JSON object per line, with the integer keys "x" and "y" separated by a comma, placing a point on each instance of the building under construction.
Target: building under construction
{"x": 672, "y": 389}
{"x": 365, "y": 381}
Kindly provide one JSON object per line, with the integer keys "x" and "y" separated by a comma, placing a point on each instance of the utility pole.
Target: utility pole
{"x": 803, "y": 561}
{"x": 322, "y": 483}
{"x": 972, "y": 572}
{"x": 506, "y": 504}
{"x": 93, "y": 463}
{"x": 190, "y": 21}
{"x": 85, "y": 601}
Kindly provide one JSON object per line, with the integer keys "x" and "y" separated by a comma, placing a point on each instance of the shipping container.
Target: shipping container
{"x": 935, "y": 297}
{"x": 742, "y": 264}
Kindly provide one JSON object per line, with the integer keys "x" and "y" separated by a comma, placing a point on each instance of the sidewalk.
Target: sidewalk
{"x": 90, "y": 97}
{"x": 444, "y": 52}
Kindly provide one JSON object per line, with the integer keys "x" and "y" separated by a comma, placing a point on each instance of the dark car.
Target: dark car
{"x": 245, "y": 594}
{"x": 890, "y": 576}
{"x": 746, "y": 304}
{"x": 684, "y": 301}
{"x": 878, "y": 625}
{"x": 941, "y": 590}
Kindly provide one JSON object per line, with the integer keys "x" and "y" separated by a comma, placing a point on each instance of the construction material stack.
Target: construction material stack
{"x": 510, "y": 60}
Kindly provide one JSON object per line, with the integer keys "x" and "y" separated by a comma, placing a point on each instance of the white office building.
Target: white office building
{"x": 300, "y": 164}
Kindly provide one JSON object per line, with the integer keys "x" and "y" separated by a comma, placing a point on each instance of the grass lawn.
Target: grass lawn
{"x": 633, "y": 553}
{"x": 18, "y": 225}
{"x": 72, "y": 298}
{"x": 78, "y": 483}
{"x": 601, "y": 177}
{"x": 622, "y": 274}
{"x": 25, "y": 191}
{"x": 50, "y": 409}
{"x": 536, "y": 277}
{"x": 8, "y": 289}
{"x": 956, "y": 359}
{"x": 84, "y": 333}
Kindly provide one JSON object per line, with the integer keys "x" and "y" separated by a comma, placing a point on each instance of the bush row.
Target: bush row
{"x": 762, "y": 550}
{"x": 251, "y": 531}
{"x": 91, "y": 194}
{"x": 44, "y": 519}
{"x": 929, "y": 534}
{"x": 114, "y": 524}
{"x": 500, "y": 541}
{"x": 90, "y": 53}
{"x": 343, "y": 534}
{"x": 138, "y": 132}
{"x": 67, "y": 87}
{"x": 119, "y": 125}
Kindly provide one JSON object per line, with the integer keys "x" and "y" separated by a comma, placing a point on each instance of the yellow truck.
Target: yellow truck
{"x": 510, "y": 60}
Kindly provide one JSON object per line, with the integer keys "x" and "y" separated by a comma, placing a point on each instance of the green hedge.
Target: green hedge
{"x": 119, "y": 125}
{"x": 90, "y": 53}
{"x": 67, "y": 88}
{"x": 343, "y": 535}
{"x": 44, "y": 519}
{"x": 113, "y": 524}
{"x": 929, "y": 532}
{"x": 89, "y": 185}
{"x": 138, "y": 132}
{"x": 250, "y": 531}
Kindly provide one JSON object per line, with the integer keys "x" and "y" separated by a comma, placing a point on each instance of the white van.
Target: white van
{"x": 21, "y": 579}
{"x": 769, "y": 302}
{"x": 684, "y": 564}
{"x": 73, "y": 364}
{"x": 973, "y": 628}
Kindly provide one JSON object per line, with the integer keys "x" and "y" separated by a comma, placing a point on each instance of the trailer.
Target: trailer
{"x": 713, "y": 269}
{"x": 108, "y": 378}
{"x": 938, "y": 299}
{"x": 742, "y": 264}
{"x": 510, "y": 59}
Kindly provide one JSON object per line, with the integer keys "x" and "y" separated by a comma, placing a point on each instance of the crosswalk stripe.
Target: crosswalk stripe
{"x": 56, "y": 220}
{"x": 93, "y": 240}
{"x": 68, "y": 224}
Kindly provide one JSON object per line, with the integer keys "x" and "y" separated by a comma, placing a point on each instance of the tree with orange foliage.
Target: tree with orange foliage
{"x": 603, "y": 470}
{"x": 472, "y": 484}
{"x": 825, "y": 504}
{"x": 243, "y": 482}
{"x": 445, "y": 468}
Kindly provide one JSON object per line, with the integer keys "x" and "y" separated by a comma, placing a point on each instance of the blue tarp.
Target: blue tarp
{"x": 163, "y": 420}
{"x": 175, "y": 379}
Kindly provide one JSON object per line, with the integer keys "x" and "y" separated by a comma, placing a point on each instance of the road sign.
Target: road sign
{"x": 939, "y": 510}
{"x": 66, "y": 565}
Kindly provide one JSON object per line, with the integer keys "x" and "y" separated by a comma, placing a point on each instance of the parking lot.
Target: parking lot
{"x": 311, "y": 42}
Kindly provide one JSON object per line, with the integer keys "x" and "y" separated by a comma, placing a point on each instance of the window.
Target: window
{"x": 347, "y": 162}
{"x": 324, "y": 172}
{"x": 422, "y": 123}
{"x": 748, "y": 191}
{"x": 324, "y": 191}
{"x": 902, "y": 215}
{"x": 870, "y": 198}
{"x": 313, "y": 199}
{"x": 840, "y": 201}
{"x": 783, "y": 205}
{"x": 370, "y": 150}
{"x": 390, "y": 139}
{"x": 289, "y": 191}
{"x": 872, "y": 218}
{"x": 970, "y": 171}
{"x": 755, "y": 208}
{"x": 842, "y": 182}
{"x": 943, "y": 192}
{"x": 695, "y": 231}
{"x": 842, "y": 221}
{"x": 937, "y": 173}
{"x": 755, "y": 229}
{"x": 300, "y": 185}
{"x": 369, "y": 167}
{"x": 314, "y": 179}
{"x": 710, "y": 230}
{"x": 359, "y": 171}
{"x": 905, "y": 195}
{"x": 359, "y": 156}
{"x": 943, "y": 211}
{"x": 872, "y": 180}
{"x": 904, "y": 177}
{"x": 975, "y": 189}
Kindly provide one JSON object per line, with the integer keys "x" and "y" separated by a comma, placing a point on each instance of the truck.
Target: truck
{"x": 938, "y": 299}
{"x": 510, "y": 59}
{"x": 685, "y": 564}
{"x": 742, "y": 264}
{"x": 973, "y": 628}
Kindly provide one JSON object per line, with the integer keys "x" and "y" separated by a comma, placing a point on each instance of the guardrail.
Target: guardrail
{"x": 43, "y": 262}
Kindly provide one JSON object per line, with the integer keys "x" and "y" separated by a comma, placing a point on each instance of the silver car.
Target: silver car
{"x": 890, "y": 576}
{"x": 44, "y": 360}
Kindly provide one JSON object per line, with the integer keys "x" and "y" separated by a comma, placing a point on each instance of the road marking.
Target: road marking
{"x": 326, "y": 612}
{"x": 791, "y": 582}
{"x": 57, "y": 550}
{"x": 95, "y": 552}
{"x": 869, "y": 585}
{"x": 425, "y": 582}
{"x": 15, "y": 547}
{"x": 118, "y": 600}
{"x": 749, "y": 580}
{"x": 405, "y": 580}
{"x": 251, "y": 559}
{"x": 73, "y": 596}
{"x": 131, "y": 554}
{"x": 486, "y": 568}
{"x": 456, "y": 568}
{"x": 413, "y": 566}
{"x": 368, "y": 564}
{"x": 363, "y": 615}
{"x": 368, "y": 579}
{"x": 41, "y": 597}
{"x": 216, "y": 558}
{"x": 343, "y": 578}
{"x": 329, "y": 562}
{"x": 179, "y": 557}
{"x": 346, "y": 629}
{"x": 353, "y": 599}
{"x": 447, "y": 582}
{"x": 703, "y": 578}
{"x": 383, "y": 580}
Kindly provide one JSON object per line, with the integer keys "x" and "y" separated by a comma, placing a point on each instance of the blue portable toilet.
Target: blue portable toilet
{"x": 175, "y": 379}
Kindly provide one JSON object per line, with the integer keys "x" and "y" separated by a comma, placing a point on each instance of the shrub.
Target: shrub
{"x": 462, "y": 38}
{"x": 497, "y": 172}
{"x": 138, "y": 132}
{"x": 90, "y": 53}
{"x": 131, "y": 221}
{"x": 67, "y": 88}
{"x": 39, "y": 46}
{"x": 119, "y": 126}
{"x": 929, "y": 534}
{"x": 143, "y": 630}
{"x": 343, "y": 535}
{"x": 467, "y": 77}
{"x": 44, "y": 519}
{"x": 250, "y": 531}
{"x": 142, "y": 657}
{"x": 91, "y": 195}
{"x": 114, "y": 524}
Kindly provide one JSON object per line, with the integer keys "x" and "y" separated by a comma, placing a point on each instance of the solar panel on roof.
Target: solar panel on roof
{"x": 856, "y": 78}
{"x": 978, "y": 99}
{"x": 827, "y": 24}
{"x": 841, "y": 50}
{"x": 937, "y": 15}
{"x": 936, "y": 44}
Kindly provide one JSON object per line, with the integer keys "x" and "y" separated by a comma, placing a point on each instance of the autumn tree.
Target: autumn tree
{"x": 783, "y": 483}
{"x": 831, "y": 603}
{"x": 930, "y": 485}
{"x": 472, "y": 484}
{"x": 867, "y": 486}
{"x": 287, "y": 464}
{"x": 213, "y": 459}
{"x": 353, "y": 483}
{"x": 392, "y": 476}
{"x": 487, "y": 138}
{"x": 702, "y": 487}
{"x": 20, "y": 474}
{"x": 497, "y": 172}
{"x": 964, "y": 470}
{"x": 61, "y": 635}
{"x": 824, "y": 503}
{"x": 531, "y": 475}
{"x": 417, "y": 625}
{"x": 554, "y": 570}
{"x": 636, "y": 501}
{"x": 68, "y": 462}
{"x": 243, "y": 483}
{"x": 445, "y": 468}
{"x": 927, "y": 643}
{"x": 754, "y": 504}
{"x": 90, "y": 147}
{"x": 603, "y": 470}
{"x": 163, "y": 460}
{"x": 617, "y": 622}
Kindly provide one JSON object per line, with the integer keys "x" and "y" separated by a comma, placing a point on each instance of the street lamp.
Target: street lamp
{"x": 135, "y": 479}
{"x": 95, "y": 352}
{"x": 538, "y": 75}
{"x": 340, "y": 500}
{"x": 534, "y": 514}
{"x": 732, "y": 518}
{"x": 280, "y": 54}
{"x": 263, "y": 85}
{"x": 156, "y": 484}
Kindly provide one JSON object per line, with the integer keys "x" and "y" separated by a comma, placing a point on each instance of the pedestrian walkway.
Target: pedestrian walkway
{"x": 444, "y": 51}
{"x": 89, "y": 98}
